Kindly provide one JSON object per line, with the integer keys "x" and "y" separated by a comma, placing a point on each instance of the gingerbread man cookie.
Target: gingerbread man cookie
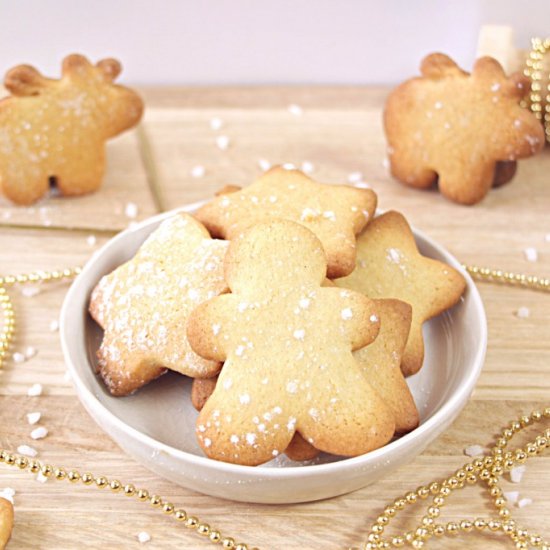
{"x": 335, "y": 213}
{"x": 57, "y": 129}
{"x": 6, "y": 522}
{"x": 389, "y": 265}
{"x": 144, "y": 304}
{"x": 453, "y": 127}
{"x": 287, "y": 344}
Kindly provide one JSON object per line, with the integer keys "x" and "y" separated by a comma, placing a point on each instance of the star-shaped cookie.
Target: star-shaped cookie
{"x": 143, "y": 305}
{"x": 389, "y": 265}
{"x": 335, "y": 213}
{"x": 6, "y": 521}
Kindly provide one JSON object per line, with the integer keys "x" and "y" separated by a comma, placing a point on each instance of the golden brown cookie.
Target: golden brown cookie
{"x": 143, "y": 305}
{"x": 335, "y": 213}
{"x": 453, "y": 127}
{"x": 389, "y": 265}
{"x": 287, "y": 344}
{"x": 381, "y": 362}
{"x": 298, "y": 449}
{"x": 6, "y": 522}
{"x": 58, "y": 128}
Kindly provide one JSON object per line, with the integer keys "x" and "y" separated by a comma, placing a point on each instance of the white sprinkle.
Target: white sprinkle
{"x": 8, "y": 493}
{"x": 193, "y": 294}
{"x": 329, "y": 215}
{"x": 227, "y": 383}
{"x": 524, "y": 502}
{"x": 289, "y": 166}
{"x": 295, "y": 110}
{"x": 275, "y": 452}
{"x": 41, "y": 478}
{"x": 198, "y": 171}
{"x": 35, "y": 390}
{"x": 27, "y": 451}
{"x": 30, "y": 352}
{"x": 531, "y": 254}
{"x": 39, "y": 433}
{"x": 361, "y": 185}
{"x": 277, "y": 410}
{"x": 34, "y": 417}
{"x": 91, "y": 240}
{"x": 517, "y": 123}
{"x": 512, "y": 496}
{"x": 373, "y": 318}
{"x": 438, "y": 105}
{"x": 216, "y": 123}
{"x": 222, "y": 142}
{"x": 30, "y": 291}
{"x": 251, "y": 438}
{"x": 516, "y": 474}
{"x": 292, "y": 386}
{"x": 307, "y": 167}
{"x": 355, "y": 177}
{"x": 299, "y": 334}
{"x": 207, "y": 442}
{"x": 264, "y": 164}
{"x": 308, "y": 214}
{"x": 495, "y": 87}
{"x": 54, "y": 325}
{"x": 131, "y": 210}
{"x": 272, "y": 198}
{"x": 314, "y": 413}
{"x": 234, "y": 439}
{"x": 244, "y": 399}
{"x": 144, "y": 537}
{"x": 474, "y": 450}
{"x": 523, "y": 312}
{"x": 240, "y": 350}
{"x": 242, "y": 306}
{"x": 346, "y": 314}
{"x": 547, "y": 237}
{"x": 291, "y": 423}
{"x": 18, "y": 357}
{"x": 304, "y": 303}
{"x": 394, "y": 255}
{"x": 216, "y": 329}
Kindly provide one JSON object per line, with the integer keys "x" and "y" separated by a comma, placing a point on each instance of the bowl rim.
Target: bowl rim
{"x": 347, "y": 463}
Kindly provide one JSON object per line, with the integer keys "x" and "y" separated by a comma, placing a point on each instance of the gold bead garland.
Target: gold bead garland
{"x": 487, "y": 469}
{"x": 538, "y": 100}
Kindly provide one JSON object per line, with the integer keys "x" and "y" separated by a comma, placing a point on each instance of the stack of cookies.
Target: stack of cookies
{"x": 297, "y": 313}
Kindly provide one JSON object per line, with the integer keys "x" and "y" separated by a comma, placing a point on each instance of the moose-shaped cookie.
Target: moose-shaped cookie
{"x": 454, "y": 127}
{"x": 287, "y": 343}
{"x": 55, "y": 130}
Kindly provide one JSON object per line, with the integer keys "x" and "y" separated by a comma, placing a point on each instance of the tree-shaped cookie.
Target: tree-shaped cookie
{"x": 335, "y": 213}
{"x": 56, "y": 129}
{"x": 143, "y": 305}
{"x": 6, "y": 521}
{"x": 389, "y": 265}
{"x": 287, "y": 345}
{"x": 453, "y": 127}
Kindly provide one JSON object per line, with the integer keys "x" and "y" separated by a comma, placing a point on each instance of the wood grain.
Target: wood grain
{"x": 339, "y": 132}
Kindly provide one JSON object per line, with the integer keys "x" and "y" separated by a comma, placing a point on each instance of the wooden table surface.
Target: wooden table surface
{"x": 339, "y": 132}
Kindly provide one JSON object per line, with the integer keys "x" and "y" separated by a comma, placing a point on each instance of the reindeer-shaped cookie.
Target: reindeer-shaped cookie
{"x": 56, "y": 129}
{"x": 453, "y": 127}
{"x": 287, "y": 345}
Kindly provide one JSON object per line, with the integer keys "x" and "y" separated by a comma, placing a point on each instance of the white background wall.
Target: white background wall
{"x": 257, "y": 41}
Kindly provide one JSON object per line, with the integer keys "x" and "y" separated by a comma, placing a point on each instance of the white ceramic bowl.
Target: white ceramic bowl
{"x": 156, "y": 426}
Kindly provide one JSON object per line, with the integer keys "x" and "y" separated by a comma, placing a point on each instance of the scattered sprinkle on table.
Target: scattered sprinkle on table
{"x": 8, "y": 493}
{"x": 91, "y": 240}
{"x": 264, "y": 164}
{"x": 39, "y": 433}
{"x": 289, "y": 166}
{"x": 295, "y": 110}
{"x": 531, "y": 254}
{"x": 41, "y": 478}
{"x": 27, "y": 451}
{"x": 222, "y": 142}
{"x": 216, "y": 123}
{"x": 131, "y": 210}
{"x": 18, "y": 357}
{"x": 30, "y": 352}
{"x": 34, "y": 418}
{"x": 54, "y": 325}
{"x": 361, "y": 185}
{"x": 516, "y": 474}
{"x": 144, "y": 537}
{"x": 30, "y": 291}
{"x": 474, "y": 450}
{"x": 198, "y": 171}
{"x": 523, "y": 312}
{"x": 35, "y": 390}
{"x": 524, "y": 502}
{"x": 512, "y": 496}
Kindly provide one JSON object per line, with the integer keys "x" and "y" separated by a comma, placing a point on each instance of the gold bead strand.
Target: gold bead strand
{"x": 498, "y": 276}
{"x": 129, "y": 490}
{"x": 8, "y": 326}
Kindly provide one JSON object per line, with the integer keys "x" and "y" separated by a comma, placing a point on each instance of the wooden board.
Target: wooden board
{"x": 339, "y": 132}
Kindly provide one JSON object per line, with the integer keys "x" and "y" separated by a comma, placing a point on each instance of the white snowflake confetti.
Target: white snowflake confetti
{"x": 346, "y": 314}
{"x": 144, "y": 537}
{"x": 295, "y": 110}
{"x": 131, "y": 210}
{"x": 216, "y": 123}
{"x": 474, "y": 450}
{"x": 516, "y": 474}
{"x": 39, "y": 433}
{"x": 198, "y": 171}
{"x": 222, "y": 142}
{"x": 355, "y": 177}
{"x": 27, "y": 451}
{"x": 91, "y": 240}
{"x": 523, "y": 312}
{"x": 264, "y": 164}
{"x": 531, "y": 254}
{"x": 34, "y": 418}
{"x": 35, "y": 390}
{"x": 307, "y": 167}
{"x": 524, "y": 502}
{"x": 18, "y": 357}
{"x": 54, "y": 325}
